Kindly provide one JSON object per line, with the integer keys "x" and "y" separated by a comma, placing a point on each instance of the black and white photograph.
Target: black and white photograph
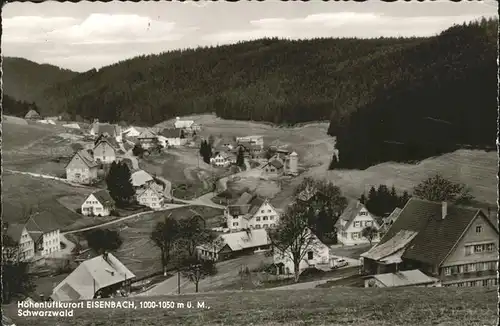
{"x": 249, "y": 163}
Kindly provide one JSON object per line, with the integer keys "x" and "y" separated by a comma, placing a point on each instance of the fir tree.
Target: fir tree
{"x": 240, "y": 159}
{"x": 119, "y": 183}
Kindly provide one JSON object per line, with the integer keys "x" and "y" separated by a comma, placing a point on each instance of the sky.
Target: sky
{"x": 86, "y": 35}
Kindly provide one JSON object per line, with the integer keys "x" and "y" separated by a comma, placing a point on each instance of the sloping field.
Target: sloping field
{"x": 334, "y": 307}
{"x": 22, "y": 192}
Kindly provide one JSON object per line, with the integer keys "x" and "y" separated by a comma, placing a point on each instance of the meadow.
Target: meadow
{"x": 334, "y": 307}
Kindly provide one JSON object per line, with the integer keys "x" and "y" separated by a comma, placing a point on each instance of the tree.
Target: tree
{"x": 164, "y": 235}
{"x": 119, "y": 183}
{"x": 369, "y": 233}
{"x": 206, "y": 151}
{"x": 292, "y": 237}
{"x": 437, "y": 188}
{"x": 103, "y": 240}
{"x": 137, "y": 150}
{"x": 182, "y": 136}
{"x": 15, "y": 272}
{"x": 196, "y": 269}
{"x": 76, "y": 147}
{"x": 333, "y": 162}
{"x": 193, "y": 234}
{"x": 270, "y": 152}
{"x": 362, "y": 199}
{"x": 240, "y": 158}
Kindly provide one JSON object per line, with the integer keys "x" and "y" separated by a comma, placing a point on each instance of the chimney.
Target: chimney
{"x": 444, "y": 209}
{"x": 105, "y": 256}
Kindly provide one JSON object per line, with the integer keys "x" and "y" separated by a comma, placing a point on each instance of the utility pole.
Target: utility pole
{"x": 178, "y": 281}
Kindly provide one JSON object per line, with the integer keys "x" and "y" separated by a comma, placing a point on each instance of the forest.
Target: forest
{"x": 446, "y": 100}
{"x": 16, "y": 108}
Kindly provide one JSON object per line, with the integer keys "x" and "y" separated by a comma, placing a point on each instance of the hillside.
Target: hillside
{"x": 274, "y": 80}
{"x": 338, "y": 306}
{"x": 24, "y": 80}
{"x": 446, "y": 99}
{"x": 11, "y": 106}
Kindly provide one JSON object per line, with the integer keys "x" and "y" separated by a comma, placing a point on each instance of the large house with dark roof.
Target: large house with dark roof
{"x": 251, "y": 212}
{"x": 352, "y": 222}
{"x": 38, "y": 237}
{"x": 458, "y": 245}
{"x": 99, "y": 277}
{"x": 82, "y": 168}
{"x": 98, "y": 203}
{"x": 105, "y": 150}
{"x": 106, "y": 129}
{"x": 274, "y": 168}
{"x": 170, "y": 137}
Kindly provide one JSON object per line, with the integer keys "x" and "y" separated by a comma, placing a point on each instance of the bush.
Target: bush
{"x": 115, "y": 212}
{"x": 78, "y": 210}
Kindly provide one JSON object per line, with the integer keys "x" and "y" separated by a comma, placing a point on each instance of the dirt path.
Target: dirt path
{"x": 169, "y": 207}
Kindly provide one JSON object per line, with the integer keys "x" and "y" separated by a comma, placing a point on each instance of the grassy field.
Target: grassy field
{"x": 138, "y": 251}
{"x": 340, "y": 306}
{"x": 22, "y": 192}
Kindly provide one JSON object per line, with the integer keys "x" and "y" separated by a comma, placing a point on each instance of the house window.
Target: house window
{"x": 264, "y": 218}
{"x": 271, "y": 217}
{"x": 368, "y": 223}
{"x": 257, "y": 218}
{"x": 454, "y": 270}
{"x": 356, "y": 224}
{"x": 468, "y": 250}
{"x": 472, "y": 267}
{"x": 262, "y": 211}
{"x": 257, "y": 226}
{"x": 479, "y": 228}
{"x": 235, "y": 224}
{"x": 363, "y": 213}
{"x": 310, "y": 255}
{"x": 485, "y": 282}
{"x": 478, "y": 248}
{"x": 447, "y": 271}
{"x": 269, "y": 211}
{"x": 354, "y": 235}
{"x": 235, "y": 217}
{"x": 490, "y": 247}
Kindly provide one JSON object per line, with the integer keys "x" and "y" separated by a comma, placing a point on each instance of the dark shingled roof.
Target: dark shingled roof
{"x": 14, "y": 231}
{"x": 246, "y": 204}
{"x": 436, "y": 236}
{"x": 104, "y": 198}
{"x": 86, "y": 158}
{"x": 277, "y": 164}
{"x": 40, "y": 223}
{"x": 170, "y": 133}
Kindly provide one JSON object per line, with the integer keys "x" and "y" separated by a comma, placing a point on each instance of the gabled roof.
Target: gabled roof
{"x": 92, "y": 274}
{"x": 276, "y": 163}
{"x": 352, "y": 210}
{"x": 110, "y": 141}
{"x": 141, "y": 177}
{"x": 183, "y": 123}
{"x": 147, "y": 134}
{"x": 32, "y": 114}
{"x": 404, "y": 278}
{"x": 389, "y": 220}
{"x": 14, "y": 231}
{"x": 106, "y": 128}
{"x": 222, "y": 154}
{"x": 401, "y": 240}
{"x": 242, "y": 240}
{"x": 255, "y": 204}
{"x": 40, "y": 223}
{"x": 436, "y": 236}
{"x": 139, "y": 194}
{"x": 104, "y": 198}
{"x": 306, "y": 194}
{"x": 85, "y": 157}
{"x": 170, "y": 133}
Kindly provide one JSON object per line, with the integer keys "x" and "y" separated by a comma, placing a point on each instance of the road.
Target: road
{"x": 121, "y": 219}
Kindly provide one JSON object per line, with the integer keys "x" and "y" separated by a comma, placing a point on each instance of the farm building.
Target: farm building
{"x": 141, "y": 179}
{"x": 82, "y": 168}
{"x": 256, "y": 140}
{"x": 398, "y": 279}
{"x": 221, "y": 159}
{"x": 273, "y": 169}
{"x": 235, "y": 244}
{"x": 150, "y": 197}
{"x": 148, "y": 139}
{"x": 187, "y": 125}
{"x": 32, "y": 115}
{"x": 317, "y": 254}
{"x": 99, "y": 277}
{"x": 105, "y": 150}
{"x": 98, "y": 203}
{"x": 106, "y": 129}
{"x": 171, "y": 137}
{"x": 252, "y": 212}
{"x": 352, "y": 222}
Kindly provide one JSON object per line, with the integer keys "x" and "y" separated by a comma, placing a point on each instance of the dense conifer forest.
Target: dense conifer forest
{"x": 398, "y": 99}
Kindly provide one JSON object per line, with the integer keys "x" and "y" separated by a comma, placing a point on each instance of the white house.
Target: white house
{"x": 316, "y": 254}
{"x": 187, "y": 125}
{"x": 150, "y": 197}
{"x": 131, "y": 132}
{"x": 98, "y": 203}
{"x": 251, "y": 212}
{"x": 171, "y": 137}
{"x": 105, "y": 151}
{"x": 257, "y": 140}
{"x": 106, "y": 129}
{"x": 233, "y": 244}
{"x": 38, "y": 237}
{"x": 82, "y": 168}
{"x": 352, "y": 222}
{"x": 221, "y": 159}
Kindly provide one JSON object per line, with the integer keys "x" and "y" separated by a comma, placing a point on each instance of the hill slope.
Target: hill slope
{"x": 337, "y": 306}
{"x": 272, "y": 80}
{"x": 24, "y": 80}
{"x": 446, "y": 99}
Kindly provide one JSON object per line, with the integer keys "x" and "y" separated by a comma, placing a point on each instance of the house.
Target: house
{"x": 273, "y": 169}
{"x": 186, "y": 125}
{"x": 221, "y": 159}
{"x": 250, "y": 150}
{"x": 38, "y": 237}
{"x": 171, "y": 137}
{"x": 26, "y": 246}
{"x": 352, "y": 222}
{"x": 389, "y": 220}
{"x": 82, "y": 168}
{"x": 131, "y": 132}
{"x": 236, "y": 244}
{"x": 101, "y": 276}
{"x": 458, "y": 245}
{"x": 148, "y": 139}
{"x": 141, "y": 179}
{"x": 399, "y": 279}
{"x": 317, "y": 253}
{"x": 251, "y": 212}
{"x": 226, "y": 143}
{"x": 150, "y": 197}
{"x": 257, "y": 140}
{"x": 47, "y": 122}
{"x": 32, "y": 115}
{"x": 106, "y": 129}
{"x": 98, "y": 203}
{"x": 105, "y": 150}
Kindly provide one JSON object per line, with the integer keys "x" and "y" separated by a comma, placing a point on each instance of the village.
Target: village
{"x": 135, "y": 214}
